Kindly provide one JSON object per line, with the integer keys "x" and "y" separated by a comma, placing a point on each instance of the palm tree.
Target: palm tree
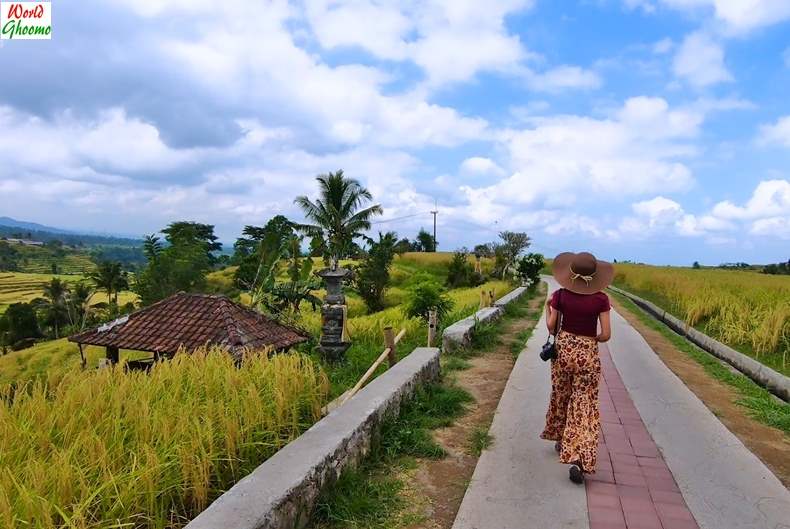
{"x": 54, "y": 303}
{"x": 336, "y": 214}
{"x": 110, "y": 278}
{"x": 77, "y": 305}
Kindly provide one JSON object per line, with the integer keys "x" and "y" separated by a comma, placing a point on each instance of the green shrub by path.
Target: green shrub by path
{"x": 109, "y": 449}
{"x": 480, "y": 439}
{"x": 759, "y": 403}
{"x": 746, "y": 310}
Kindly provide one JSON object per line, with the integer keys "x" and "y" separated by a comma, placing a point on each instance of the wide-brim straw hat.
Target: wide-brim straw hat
{"x": 582, "y": 272}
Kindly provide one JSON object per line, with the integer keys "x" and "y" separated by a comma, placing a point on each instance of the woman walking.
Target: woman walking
{"x": 574, "y": 312}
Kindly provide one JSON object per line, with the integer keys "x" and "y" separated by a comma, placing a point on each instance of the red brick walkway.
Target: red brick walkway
{"x": 632, "y": 487}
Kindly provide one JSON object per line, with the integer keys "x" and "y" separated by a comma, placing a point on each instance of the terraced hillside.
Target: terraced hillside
{"x": 38, "y": 260}
{"x": 18, "y": 287}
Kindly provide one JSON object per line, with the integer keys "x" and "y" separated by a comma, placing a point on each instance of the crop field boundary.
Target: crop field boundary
{"x": 764, "y": 376}
{"x": 281, "y": 492}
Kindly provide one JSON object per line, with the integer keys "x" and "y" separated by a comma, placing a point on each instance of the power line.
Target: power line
{"x": 400, "y": 218}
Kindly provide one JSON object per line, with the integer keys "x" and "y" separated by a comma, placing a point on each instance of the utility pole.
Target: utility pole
{"x": 434, "y": 212}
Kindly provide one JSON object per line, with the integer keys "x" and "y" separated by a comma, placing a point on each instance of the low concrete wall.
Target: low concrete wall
{"x": 775, "y": 382}
{"x": 459, "y": 334}
{"x": 280, "y": 494}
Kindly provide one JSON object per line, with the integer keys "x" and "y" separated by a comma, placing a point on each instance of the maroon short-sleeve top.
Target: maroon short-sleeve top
{"x": 580, "y": 311}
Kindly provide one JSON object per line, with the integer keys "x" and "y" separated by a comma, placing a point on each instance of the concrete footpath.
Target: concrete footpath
{"x": 666, "y": 461}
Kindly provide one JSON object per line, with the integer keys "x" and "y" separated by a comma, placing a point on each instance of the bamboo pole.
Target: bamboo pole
{"x": 372, "y": 368}
{"x": 431, "y": 327}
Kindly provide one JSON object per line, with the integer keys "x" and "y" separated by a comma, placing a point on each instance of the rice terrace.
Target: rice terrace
{"x": 395, "y": 265}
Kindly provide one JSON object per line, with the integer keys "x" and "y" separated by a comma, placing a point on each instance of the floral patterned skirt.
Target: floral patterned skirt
{"x": 573, "y": 417}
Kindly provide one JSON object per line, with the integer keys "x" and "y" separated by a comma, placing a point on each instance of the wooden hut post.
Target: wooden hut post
{"x": 431, "y": 327}
{"x": 83, "y": 362}
{"x": 389, "y": 339}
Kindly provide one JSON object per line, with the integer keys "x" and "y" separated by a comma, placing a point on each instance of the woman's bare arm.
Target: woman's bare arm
{"x": 551, "y": 316}
{"x": 606, "y": 327}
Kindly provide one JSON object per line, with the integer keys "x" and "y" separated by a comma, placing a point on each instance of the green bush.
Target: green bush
{"x": 528, "y": 268}
{"x": 426, "y": 296}
{"x": 461, "y": 273}
{"x": 372, "y": 277}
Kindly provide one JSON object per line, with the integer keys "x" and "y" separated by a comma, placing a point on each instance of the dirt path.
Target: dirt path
{"x": 769, "y": 444}
{"x": 443, "y": 482}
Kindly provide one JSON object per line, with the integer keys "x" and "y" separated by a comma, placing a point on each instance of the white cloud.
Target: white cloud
{"x": 481, "y": 166}
{"x": 772, "y": 226}
{"x": 692, "y": 225}
{"x": 735, "y": 16}
{"x": 663, "y": 46}
{"x": 561, "y": 78}
{"x": 661, "y": 213}
{"x": 345, "y": 103}
{"x": 451, "y": 40}
{"x": 561, "y": 159}
{"x": 771, "y": 198}
{"x": 659, "y": 210}
{"x": 777, "y": 133}
{"x": 700, "y": 61}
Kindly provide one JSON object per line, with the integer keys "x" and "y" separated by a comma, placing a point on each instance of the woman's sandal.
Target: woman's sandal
{"x": 576, "y": 474}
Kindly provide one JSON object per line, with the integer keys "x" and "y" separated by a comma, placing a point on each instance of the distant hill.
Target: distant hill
{"x": 12, "y": 228}
{"x": 29, "y": 226}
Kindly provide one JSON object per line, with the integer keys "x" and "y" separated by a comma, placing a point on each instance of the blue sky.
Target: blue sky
{"x": 652, "y": 130}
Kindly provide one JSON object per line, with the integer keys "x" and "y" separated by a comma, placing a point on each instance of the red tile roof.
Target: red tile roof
{"x": 192, "y": 320}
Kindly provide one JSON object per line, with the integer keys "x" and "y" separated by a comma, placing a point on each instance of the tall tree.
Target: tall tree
{"x": 180, "y": 266}
{"x": 513, "y": 243}
{"x": 152, "y": 247}
{"x": 77, "y": 305}
{"x": 18, "y": 322}
{"x": 425, "y": 241}
{"x": 338, "y": 214}
{"x": 372, "y": 277}
{"x": 193, "y": 233}
{"x": 109, "y": 277}
{"x": 249, "y": 248}
{"x": 9, "y": 257}
{"x": 54, "y": 304}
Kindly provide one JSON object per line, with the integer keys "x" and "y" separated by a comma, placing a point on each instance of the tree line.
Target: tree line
{"x": 335, "y": 223}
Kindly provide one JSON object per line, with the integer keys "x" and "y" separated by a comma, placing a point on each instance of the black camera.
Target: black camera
{"x": 549, "y": 351}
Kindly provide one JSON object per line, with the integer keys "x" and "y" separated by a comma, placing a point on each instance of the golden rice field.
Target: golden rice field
{"x": 16, "y": 287}
{"x": 90, "y": 449}
{"x": 746, "y": 310}
{"x": 99, "y": 449}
